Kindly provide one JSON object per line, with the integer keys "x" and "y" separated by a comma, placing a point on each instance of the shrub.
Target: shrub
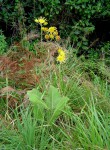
{"x": 3, "y": 43}
{"x": 74, "y": 18}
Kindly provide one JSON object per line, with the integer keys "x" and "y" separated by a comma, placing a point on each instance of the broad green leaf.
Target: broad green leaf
{"x": 59, "y": 108}
{"x": 53, "y": 97}
{"x": 36, "y": 98}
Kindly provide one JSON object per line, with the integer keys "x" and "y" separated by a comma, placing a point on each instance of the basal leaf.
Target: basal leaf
{"x": 36, "y": 98}
{"x": 53, "y": 97}
{"x": 59, "y": 108}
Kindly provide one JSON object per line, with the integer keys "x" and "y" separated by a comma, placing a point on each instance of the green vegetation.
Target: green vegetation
{"x": 3, "y": 43}
{"x": 54, "y": 81}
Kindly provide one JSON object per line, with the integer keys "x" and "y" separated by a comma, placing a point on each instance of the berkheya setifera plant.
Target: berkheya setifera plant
{"x": 51, "y": 34}
{"x": 47, "y": 106}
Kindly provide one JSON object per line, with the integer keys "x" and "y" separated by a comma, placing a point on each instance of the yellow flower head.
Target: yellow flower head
{"x": 52, "y": 29}
{"x": 44, "y": 29}
{"x": 60, "y": 51}
{"x": 51, "y": 36}
{"x": 41, "y": 20}
{"x": 47, "y": 37}
{"x": 45, "y": 23}
{"x": 62, "y": 56}
{"x": 57, "y": 38}
{"x": 55, "y": 33}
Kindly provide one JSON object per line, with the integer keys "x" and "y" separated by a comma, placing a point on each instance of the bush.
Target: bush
{"x": 3, "y": 43}
{"x": 74, "y": 18}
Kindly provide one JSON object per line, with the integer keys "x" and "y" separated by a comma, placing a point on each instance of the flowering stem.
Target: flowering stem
{"x": 41, "y": 33}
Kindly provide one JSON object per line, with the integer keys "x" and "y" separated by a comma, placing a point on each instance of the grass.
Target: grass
{"x": 82, "y": 125}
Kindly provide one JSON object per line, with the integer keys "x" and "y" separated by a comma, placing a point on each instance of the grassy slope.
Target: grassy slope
{"x": 85, "y": 125}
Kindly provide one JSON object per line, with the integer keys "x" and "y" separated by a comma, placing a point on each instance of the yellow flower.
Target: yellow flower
{"x": 47, "y": 37}
{"x": 55, "y": 33}
{"x": 52, "y": 29}
{"x": 51, "y": 36}
{"x": 62, "y": 56}
{"x": 45, "y": 23}
{"x": 44, "y": 29}
{"x": 57, "y": 38}
{"x": 60, "y": 51}
{"x": 41, "y": 20}
{"x": 36, "y": 20}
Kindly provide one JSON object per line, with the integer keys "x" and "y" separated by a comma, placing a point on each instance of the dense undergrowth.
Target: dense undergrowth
{"x": 47, "y": 105}
{"x": 54, "y": 83}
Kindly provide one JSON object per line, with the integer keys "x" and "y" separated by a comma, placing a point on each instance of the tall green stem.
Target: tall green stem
{"x": 41, "y": 33}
